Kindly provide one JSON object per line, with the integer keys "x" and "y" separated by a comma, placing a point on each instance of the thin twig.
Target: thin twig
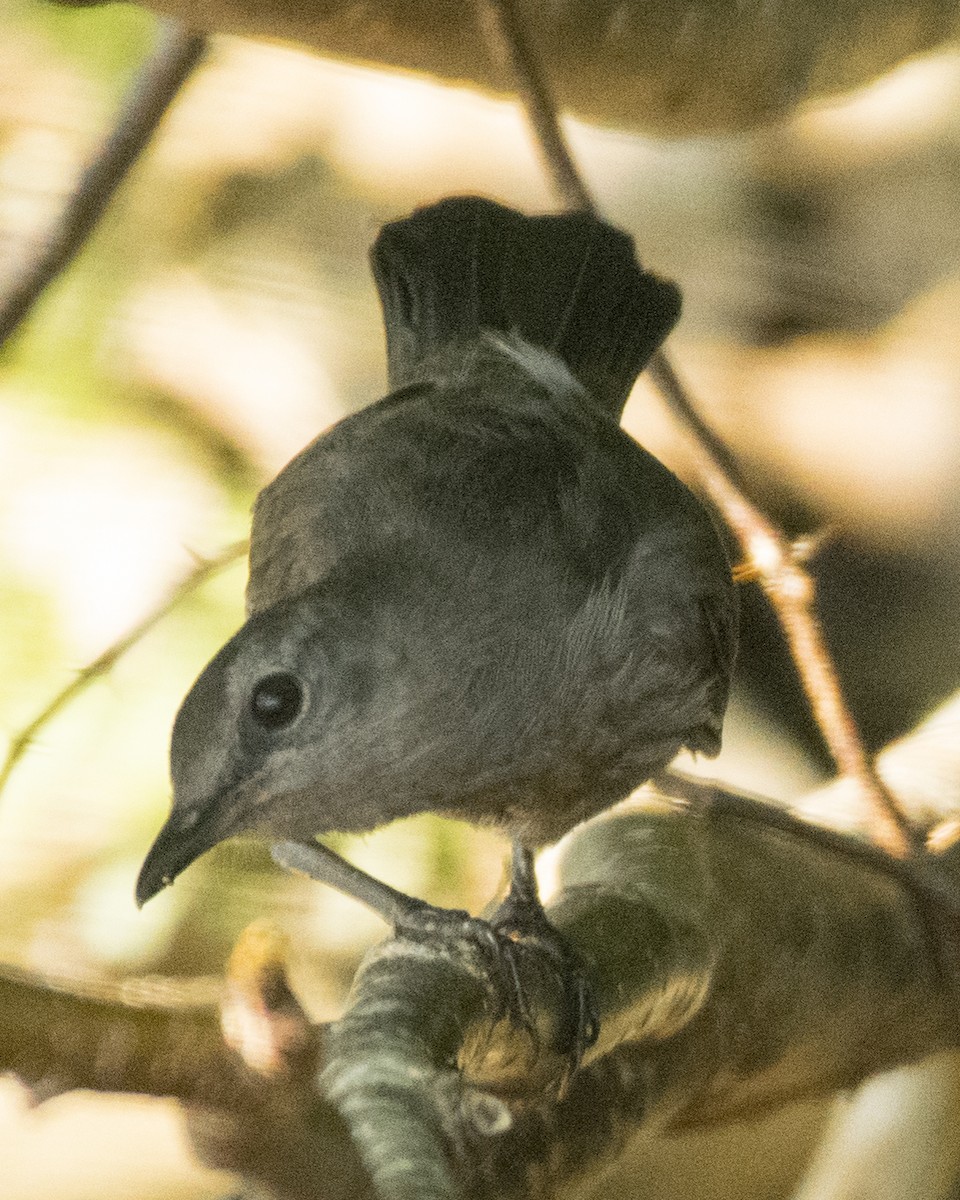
{"x": 790, "y": 588}
{"x": 157, "y": 84}
{"x": 777, "y": 561}
{"x": 509, "y": 47}
{"x": 200, "y": 574}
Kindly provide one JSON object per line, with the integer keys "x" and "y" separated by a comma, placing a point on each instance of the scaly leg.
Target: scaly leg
{"x": 522, "y": 919}
{"x": 518, "y": 922}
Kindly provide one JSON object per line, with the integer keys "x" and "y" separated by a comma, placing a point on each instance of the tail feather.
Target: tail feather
{"x": 567, "y": 283}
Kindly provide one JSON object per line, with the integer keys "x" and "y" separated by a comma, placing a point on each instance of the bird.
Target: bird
{"x": 478, "y": 596}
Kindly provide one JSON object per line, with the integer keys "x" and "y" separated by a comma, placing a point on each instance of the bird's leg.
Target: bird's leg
{"x": 521, "y": 918}
{"x": 518, "y": 924}
{"x": 321, "y": 863}
{"x": 416, "y": 919}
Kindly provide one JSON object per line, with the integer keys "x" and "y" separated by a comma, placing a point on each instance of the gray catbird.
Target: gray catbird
{"x": 478, "y": 596}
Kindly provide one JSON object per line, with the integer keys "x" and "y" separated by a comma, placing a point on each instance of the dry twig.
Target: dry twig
{"x": 22, "y": 740}
{"x": 778, "y": 562}
{"x": 157, "y": 84}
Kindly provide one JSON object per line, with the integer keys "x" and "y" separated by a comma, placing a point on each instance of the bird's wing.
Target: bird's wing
{"x": 718, "y": 618}
{"x": 334, "y": 500}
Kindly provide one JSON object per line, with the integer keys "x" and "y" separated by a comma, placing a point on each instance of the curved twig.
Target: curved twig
{"x": 776, "y": 560}
{"x": 22, "y": 740}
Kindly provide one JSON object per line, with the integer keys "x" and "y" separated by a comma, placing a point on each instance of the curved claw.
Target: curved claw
{"x": 516, "y": 928}
{"x": 496, "y": 949}
{"x": 523, "y": 922}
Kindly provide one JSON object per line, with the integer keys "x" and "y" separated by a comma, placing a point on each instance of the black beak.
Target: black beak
{"x": 187, "y": 834}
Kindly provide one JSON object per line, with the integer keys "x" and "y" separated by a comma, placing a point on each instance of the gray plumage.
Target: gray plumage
{"x": 494, "y": 603}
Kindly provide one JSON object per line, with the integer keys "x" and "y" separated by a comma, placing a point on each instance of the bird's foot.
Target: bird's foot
{"x": 521, "y": 921}
{"x": 497, "y": 946}
{"x": 516, "y": 929}
{"x": 495, "y": 952}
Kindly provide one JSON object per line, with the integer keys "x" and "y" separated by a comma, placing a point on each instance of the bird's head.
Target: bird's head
{"x": 275, "y": 735}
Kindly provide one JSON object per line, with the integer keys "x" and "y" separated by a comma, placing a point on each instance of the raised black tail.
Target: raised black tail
{"x": 568, "y": 283}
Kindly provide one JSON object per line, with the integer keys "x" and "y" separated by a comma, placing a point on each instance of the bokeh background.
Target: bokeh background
{"x": 223, "y": 315}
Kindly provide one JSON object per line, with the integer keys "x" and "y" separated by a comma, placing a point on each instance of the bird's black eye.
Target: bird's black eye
{"x": 277, "y": 700}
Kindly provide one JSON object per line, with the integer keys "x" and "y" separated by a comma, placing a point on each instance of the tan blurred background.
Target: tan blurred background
{"x": 223, "y": 315}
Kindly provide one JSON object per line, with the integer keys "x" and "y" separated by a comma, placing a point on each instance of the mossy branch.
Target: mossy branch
{"x": 739, "y": 963}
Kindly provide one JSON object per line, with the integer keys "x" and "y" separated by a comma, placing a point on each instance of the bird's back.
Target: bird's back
{"x": 562, "y": 602}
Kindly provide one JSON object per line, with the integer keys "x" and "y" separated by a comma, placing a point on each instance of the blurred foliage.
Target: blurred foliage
{"x": 119, "y": 472}
{"x": 223, "y": 315}
{"x": 105, "y": 43}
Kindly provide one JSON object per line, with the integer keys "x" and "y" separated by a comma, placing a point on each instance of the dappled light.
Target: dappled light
{"x": 224, "y": 315}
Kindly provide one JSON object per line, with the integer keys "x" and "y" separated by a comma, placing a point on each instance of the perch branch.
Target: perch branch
{"x": 719, "y": 939}
{"x": 22, "y": 740}
{"x": 157, "y": 84}
{"x": 739, "y": 964}
{"x": 56, "y": 1038}
{"x": 776, "y": 560}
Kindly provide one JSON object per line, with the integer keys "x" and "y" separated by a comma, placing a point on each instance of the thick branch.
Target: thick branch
{"x": 148, "y": 1040}
{"x": 677, "y": 66}
{"x": 738, "y": 964}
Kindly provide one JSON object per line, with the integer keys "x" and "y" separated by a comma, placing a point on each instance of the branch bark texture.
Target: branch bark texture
{"x": 676, "y": 66}
{"x": 739, "y": 964}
